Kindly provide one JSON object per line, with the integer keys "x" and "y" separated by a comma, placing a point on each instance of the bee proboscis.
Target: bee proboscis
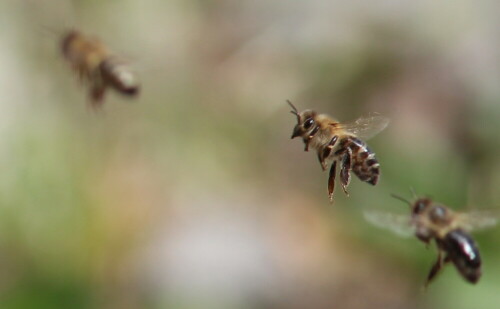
{"x": 341, "y": 142}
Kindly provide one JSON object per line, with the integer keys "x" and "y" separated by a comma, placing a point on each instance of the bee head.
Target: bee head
{"x": 305, "y": 121}
{"x": 67, "y": 39}
{"x": 420, "y": 205}
{"x": 416, "y": 207}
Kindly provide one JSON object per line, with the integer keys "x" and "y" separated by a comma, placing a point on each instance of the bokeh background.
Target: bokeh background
{"x": 194, "y": 196}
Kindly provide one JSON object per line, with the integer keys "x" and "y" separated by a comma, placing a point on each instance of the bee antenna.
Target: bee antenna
{"x": 49, "y": 30}
{"x": 401, "y": 199}
{"x": 412, "y": 191}
{"x": 294, "y": 109}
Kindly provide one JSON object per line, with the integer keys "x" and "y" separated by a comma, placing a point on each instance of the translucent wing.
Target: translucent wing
{"x": 477, "y": 220}
{"x": 399, "y": 224}
{"x": 366, "y": 127}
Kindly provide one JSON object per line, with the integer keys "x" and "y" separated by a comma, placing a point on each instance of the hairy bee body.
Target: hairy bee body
{"x": 438, "y": 222}
{"x": 334, "y": 142}
{"x": 97, "y": 66}
{"x": 450, "y": 230}
{"x": 364, "y": 163}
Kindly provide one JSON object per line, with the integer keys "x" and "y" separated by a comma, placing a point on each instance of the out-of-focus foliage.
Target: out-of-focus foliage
{"x": 194, "y": 196}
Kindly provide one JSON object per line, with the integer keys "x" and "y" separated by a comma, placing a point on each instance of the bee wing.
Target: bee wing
{"x": 366, "y": 127}
{"x": 477, "y": 220}
{"x": 399, "y": 224}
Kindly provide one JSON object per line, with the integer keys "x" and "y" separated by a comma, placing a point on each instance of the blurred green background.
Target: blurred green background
{"x": 194, "y": 196}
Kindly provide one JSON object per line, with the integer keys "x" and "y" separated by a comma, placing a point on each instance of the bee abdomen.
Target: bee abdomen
{"x": 118, "y": 75}
{"x": 365, "y": 165}
{"x": 463, "y": 252}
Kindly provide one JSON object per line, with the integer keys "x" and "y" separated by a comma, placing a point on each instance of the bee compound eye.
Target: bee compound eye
{"x": 308, "y": 123}
{"x": 419, "y": 207}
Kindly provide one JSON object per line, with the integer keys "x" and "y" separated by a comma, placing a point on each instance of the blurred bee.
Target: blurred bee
{"x": 429, "y": 221}
{"x": 342, "y": 142}
{"x": 97, "y": 66}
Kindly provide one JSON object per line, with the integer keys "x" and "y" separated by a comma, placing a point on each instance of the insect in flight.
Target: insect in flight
{"x": 450, "y": 230}
{"x": 97, "y": 67}
{"x": 341, "y": 142}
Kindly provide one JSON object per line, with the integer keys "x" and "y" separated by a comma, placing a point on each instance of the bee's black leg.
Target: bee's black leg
{"x": 328, "y": 148}
{"x": 345, "y": 172}
{"x": 331, "y": 180}
{"x": 306, "y": 141}
{"x": 310, "y": 137}
{"x": 321, "y": 159}
{"x": 324, "y": 152}
{"x": 435, "y": 268}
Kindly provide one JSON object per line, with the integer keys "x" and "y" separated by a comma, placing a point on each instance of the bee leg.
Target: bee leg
{"x": 435, "y": 268}
{"x": 326, "y": 151}
{"x": 97, "y": 96}
{"x": 306, "y": 148}
{"x": 331, "y": 180}
{"x": 310, "y": 137}
{"x": 345, "y": 172}
{"x": 321, "y": 159}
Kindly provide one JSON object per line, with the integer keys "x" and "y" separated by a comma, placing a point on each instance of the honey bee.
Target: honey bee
{"x": 341, "y": 142}
{"x": 97, "y": 67}
{"x": 450, "y": 230}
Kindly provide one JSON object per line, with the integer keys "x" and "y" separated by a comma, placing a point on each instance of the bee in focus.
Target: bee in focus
{"x": 97, "y": 67}
{"x": 341, "y": 142}
{"x": 450, "y": 230}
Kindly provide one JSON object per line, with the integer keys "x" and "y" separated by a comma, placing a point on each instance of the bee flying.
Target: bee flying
{"x": 341, "y": 142}
{"x": 98, "y": 67}
{"x": 449, "y": 229}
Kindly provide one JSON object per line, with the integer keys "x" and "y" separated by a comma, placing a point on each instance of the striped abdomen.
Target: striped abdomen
{"x": 364, "y": 163}
{"x": 118, "y": 76}
{"x": 462, "y": 250}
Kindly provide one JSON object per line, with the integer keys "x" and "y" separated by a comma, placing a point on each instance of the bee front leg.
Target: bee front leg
{"x": 345, "y": 172}
{"x": 321, "y": 159}
{"x": 306, "y": 148}
{"x": 438, "y": 265}
{"x": 310, "y": 137}
{"x": 324, "y": 152}
{"x": 331, "y": 180}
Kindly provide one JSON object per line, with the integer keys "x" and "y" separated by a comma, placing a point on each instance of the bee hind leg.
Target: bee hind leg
{"x": 345, "y": 171}
{"x": 96, "y": 94}
{"x": 331, "y": 180}
{"x": 436, "y": 268}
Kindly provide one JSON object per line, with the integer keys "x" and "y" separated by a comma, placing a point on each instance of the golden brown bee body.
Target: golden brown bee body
{"x": 339, "y": 142}
{"x": 97, "y": 66}
{"x": 449, "y": 229}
